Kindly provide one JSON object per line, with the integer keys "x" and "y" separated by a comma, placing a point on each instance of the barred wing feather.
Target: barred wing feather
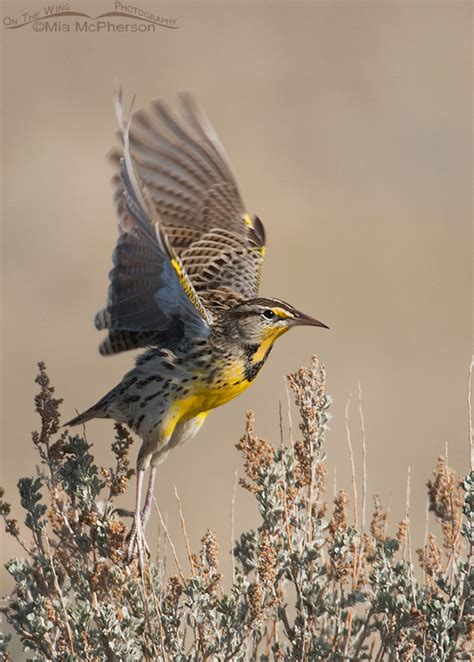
{"x": 185, "y": 181}
{"x": 150, "y": 300}
{"x": 188, "y": 176}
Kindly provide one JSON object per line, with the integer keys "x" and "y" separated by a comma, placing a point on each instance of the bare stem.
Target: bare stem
{"x": 183, "y": 527}
{"x": 173, "y": 548}
{"x": 364, "y": 459}
{"x": 351, "y": 455}
{"x": 469, "y": 412}
{"x": 232, "y": 523}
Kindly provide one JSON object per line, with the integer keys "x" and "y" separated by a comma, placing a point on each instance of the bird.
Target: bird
{"x": 184, "y": 287}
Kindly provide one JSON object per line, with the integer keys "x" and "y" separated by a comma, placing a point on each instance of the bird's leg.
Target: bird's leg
{"x": 123, "y": 512}
{"x": 136, "y": 533}
{"x": 149, "y": 497}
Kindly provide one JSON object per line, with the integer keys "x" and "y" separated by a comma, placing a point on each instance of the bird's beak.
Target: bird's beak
{"x": 300, "y": 319}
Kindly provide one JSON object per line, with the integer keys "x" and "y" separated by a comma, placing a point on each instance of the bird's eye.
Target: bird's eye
{"x": 268, "y": 314}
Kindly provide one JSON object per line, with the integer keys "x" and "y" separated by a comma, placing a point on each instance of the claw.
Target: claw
{"x": 136, "y": 543}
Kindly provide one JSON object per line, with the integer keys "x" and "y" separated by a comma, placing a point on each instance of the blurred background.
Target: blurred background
{"x": 348, "y": 125}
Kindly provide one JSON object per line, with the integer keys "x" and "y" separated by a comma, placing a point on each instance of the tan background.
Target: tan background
{"x": 348, "y": 125}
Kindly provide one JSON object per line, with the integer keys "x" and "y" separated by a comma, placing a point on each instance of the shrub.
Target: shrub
{"x": 307, "y": 584}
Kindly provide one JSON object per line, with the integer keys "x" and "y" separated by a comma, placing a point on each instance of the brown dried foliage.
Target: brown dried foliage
{"x": 339, "y": 515}
{"x": 257, "y": 454}
{"x": 378, "y": 523}
{"x": 446, "y": 500}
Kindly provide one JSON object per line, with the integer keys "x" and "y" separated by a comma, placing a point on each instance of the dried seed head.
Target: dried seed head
{"x": 408, "y": 652}
{"x": 195, "y": 562}
{"x": 309, "y": 386}
{"x": 266, "y": 559}
{"x": 320, "y": 477}
{"x": 47, "y": 407}
{"x": 11, "y": 527}
{"x": 123, "y": 441}
{"x": 367, "y": 557}
{"x": 303, "y": 463}
{"x": 418, "y": 619}
{"x": 174, "y": 590}
{"x": 446, "y": 500}
{"x": 51, "y": 612}
{"x": 116, "y": 531}
{"x": 56, "y": 450}
{"x": 291, "y": 495}
{"x": 210, "y": 549}
{"x": 4, "y": 508}
{"x": 256, "y": 598}
{"x": 430, "y": 557}
{"x": 339, "y": 516}
{"x": 54, "y": 518}
{"x": 470, "y": 630}
{"x": 378, "y": 523}
{"x": 118, "y": 480}
{"x": 402, "y": 532}
{"x": 257, "y": 454}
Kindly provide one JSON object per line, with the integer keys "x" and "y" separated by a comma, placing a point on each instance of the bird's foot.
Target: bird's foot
{"x": 136, "y": 543}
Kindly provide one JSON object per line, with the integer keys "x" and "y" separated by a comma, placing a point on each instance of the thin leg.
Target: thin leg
{"x": 136, "y": 535}
{"x": 149, "y": 497}
{"x": 123, "y": 512}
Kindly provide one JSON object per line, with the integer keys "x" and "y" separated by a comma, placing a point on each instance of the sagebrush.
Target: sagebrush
{"x": 310, "y": 583}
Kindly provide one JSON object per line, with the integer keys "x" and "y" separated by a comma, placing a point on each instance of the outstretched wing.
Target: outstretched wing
{"x": 189, "y": 179}
{"x": 150, "y": 299}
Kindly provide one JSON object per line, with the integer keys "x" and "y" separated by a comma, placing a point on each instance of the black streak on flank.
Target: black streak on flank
{"x": 252, "y": 370}
{"x": 153, "y": 395}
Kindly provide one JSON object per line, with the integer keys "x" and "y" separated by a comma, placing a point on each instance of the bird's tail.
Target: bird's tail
{"x": 96, "y": 411}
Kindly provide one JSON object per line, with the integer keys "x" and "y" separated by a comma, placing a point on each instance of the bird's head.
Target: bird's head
{"x": 263, "y": 320}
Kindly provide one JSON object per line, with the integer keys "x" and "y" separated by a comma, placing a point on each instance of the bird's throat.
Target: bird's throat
{"x": 255, "y": 357}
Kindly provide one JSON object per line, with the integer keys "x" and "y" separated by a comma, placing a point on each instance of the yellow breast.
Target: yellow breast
{"x": 228, "y": 385}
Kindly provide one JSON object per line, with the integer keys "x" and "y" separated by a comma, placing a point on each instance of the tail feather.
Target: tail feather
{"x": 92, "y": 412}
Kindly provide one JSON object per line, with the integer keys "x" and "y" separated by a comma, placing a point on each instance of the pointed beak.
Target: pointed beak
{"x": 300, "y": 319}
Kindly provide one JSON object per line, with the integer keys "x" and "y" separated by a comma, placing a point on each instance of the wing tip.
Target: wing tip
{"x": 101, "y": 320}
{"x": 259, "y": 230}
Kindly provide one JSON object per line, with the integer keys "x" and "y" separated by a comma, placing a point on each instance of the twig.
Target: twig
{"x": 290, "y": 422}
{"x": 408, "y": 543}
{"x": 158, "y": 612}
{"x": 292, "y": 444}
{"x": 232, "y": 523}
{"x": 425, "y": 539}
{"x": 351, "y": 455}
{"x": 280, "y": 419}
{"x": 364, "y": 459}
{"x": 173, "y": 549}
{"x": 469, "y": 412}
{"x": 183, "y": 527}
{"x": 61, "y": 598}
{"x": 146, "y": 611}
{"x": 285, "y": 509}
{"x": 389, "y": 512}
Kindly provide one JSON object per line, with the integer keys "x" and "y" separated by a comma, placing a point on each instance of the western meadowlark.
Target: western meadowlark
{"x": 184, "y": 284}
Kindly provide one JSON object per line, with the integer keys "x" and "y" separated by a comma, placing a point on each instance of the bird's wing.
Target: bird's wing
{"x": 151, "y": 300}
{"x": 182, "y": 164}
